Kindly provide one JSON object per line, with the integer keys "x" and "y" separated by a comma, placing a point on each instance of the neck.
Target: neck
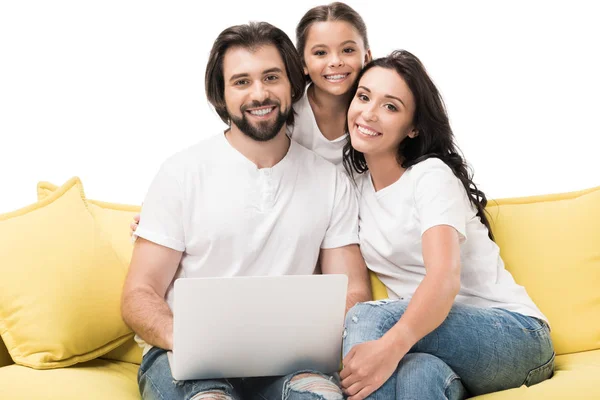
{"x": 263, "y": 154}
{"x": 384, "y": 170}
{"x": 328, "y": 103}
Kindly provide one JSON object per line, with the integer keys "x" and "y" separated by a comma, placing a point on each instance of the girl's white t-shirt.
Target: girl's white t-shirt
{"x": 307, "y": 133}
{"x": 393, "y": 220}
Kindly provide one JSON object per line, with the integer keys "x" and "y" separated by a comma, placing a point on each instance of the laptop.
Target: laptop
{"x": 240, "y": 327}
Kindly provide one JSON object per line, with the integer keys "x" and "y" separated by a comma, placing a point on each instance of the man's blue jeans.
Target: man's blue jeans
{"x": 474, "y": 351}
{"x": 157, "y": 383}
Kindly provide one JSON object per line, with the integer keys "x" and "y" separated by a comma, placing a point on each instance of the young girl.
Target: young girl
{"x": 459, "y": 325}
{"x": 332, "y": 42}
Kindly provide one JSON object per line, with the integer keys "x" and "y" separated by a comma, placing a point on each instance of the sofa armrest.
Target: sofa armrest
{"x": 4, "y": 356}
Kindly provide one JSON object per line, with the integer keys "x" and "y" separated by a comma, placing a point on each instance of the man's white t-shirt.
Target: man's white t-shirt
{"x": 230, "y": 218}
{"x": 428, "y": 194}
{"x": 306, "y": 132}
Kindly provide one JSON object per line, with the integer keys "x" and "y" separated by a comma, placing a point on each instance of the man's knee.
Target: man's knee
{"x": 309, "y": 385}
{"x": 212, "y": 395}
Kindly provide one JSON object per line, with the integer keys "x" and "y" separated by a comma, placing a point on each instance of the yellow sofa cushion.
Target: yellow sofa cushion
{"x": 61, "y": 283}
{"x": 93, "y": 380}
{"x": 575, "y": 377}
{"x": 551, "y": 245}
{"x": 113, "y": 219}
{"x": 4, "y": 356}
{"x": 377, "y": 287}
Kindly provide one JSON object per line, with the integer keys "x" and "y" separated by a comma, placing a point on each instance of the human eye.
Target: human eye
{"x": 271, "y": 78}
{"x": 240, "y": 82}
{"x": 348, "y": 50}
{"x": 391, "y": 107}
{"x": 362, "y": 97}
{"x": 319, "y": 53}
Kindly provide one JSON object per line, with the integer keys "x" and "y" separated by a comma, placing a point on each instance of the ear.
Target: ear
{"x": 413, "y": 133}
{"x": 368, "y": 56}
{"x": 305, "y": 70}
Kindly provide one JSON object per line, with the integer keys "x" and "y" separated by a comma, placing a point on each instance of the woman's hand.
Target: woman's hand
{"x": 368, "y": 366}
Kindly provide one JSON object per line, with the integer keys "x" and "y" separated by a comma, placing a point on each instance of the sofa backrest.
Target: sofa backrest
{"x": 551, "y": 245}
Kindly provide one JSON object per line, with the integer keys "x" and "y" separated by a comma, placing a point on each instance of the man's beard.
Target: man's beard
{"x": 264, "y": 130}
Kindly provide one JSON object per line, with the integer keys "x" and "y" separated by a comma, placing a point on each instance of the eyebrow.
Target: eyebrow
{"x": 341, "y": 44}
{"x": 266, "y": 71}
{"x": 389, "y": 96}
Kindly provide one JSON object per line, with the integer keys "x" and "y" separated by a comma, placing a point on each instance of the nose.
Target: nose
{"x": 259, "y": 92}
{"x": 335, "y": 61}
{"x": 369, "y": 113}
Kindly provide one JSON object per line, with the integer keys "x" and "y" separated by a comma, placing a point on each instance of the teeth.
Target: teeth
{"x": 261, "y": 112}
{"x": 336, "y": 77}
{"x": 367, "y": 132}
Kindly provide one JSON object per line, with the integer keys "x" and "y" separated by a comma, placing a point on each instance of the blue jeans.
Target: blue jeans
{"x": 156, "y": 383}
{"x": 473, "y": 352}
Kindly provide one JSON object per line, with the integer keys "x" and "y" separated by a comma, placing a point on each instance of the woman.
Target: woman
{"x": 458, "y": 324}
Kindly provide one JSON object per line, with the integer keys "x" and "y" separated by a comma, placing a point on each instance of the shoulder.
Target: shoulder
{"x": 429, "y": 165}
{"x": 302, "y": 106}
{"x": 304, "y": 118}
{"x": 180, "y": 163}
{"x": 431, "y": 170}
{"x": 312, "y": 161}
{"x": 205, "y": 149}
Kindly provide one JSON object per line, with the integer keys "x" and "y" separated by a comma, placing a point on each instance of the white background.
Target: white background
{"x": 106, "y": 90}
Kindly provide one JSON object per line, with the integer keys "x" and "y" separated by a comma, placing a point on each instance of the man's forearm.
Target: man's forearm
{"x": 148, "y": 315}
{"x": 358, "y": 294}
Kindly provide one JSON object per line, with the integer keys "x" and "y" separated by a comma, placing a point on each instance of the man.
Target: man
{"x": 247, "y": 202}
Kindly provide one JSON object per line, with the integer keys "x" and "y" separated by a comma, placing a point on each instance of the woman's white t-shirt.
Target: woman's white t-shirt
{"x": 393, "y": 220}
{"x": 307, "y": 133}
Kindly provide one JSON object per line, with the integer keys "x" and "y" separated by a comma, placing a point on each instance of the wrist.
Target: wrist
{"x": 400, "y": 339}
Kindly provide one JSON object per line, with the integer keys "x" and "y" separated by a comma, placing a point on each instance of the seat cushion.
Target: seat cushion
{"x": 96, "y": 379}
{"x": 575, "y": 377}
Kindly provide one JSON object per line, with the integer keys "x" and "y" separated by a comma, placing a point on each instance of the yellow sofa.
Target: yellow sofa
{"x": 551, "y": 244}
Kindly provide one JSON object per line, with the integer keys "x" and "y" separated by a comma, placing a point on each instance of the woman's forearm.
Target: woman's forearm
{"x": 427, "y": 309}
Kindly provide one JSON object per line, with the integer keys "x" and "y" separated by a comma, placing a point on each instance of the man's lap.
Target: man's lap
{"x": 156, "y": 382}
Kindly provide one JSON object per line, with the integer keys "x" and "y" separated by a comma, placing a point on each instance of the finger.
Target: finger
{"x": 353, "y": 389}
{"x": 345, "y": 372}
{"x": 136, "y": 218}
{"x": 366, "y": 391}
{"x": 349, "y": 356}
{"x": 350, "y": 380}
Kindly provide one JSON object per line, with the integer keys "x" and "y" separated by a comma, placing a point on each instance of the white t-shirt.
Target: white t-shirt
{"x": 306, "y": 132}
{"x": 393, "y": 220}
{"x": 230, "y": 218}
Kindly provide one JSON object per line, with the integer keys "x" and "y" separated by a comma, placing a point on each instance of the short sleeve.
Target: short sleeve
{"x": 440, "y": 197}
{"x": 161, "y": 219}
{"x": 343, "y": 225}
